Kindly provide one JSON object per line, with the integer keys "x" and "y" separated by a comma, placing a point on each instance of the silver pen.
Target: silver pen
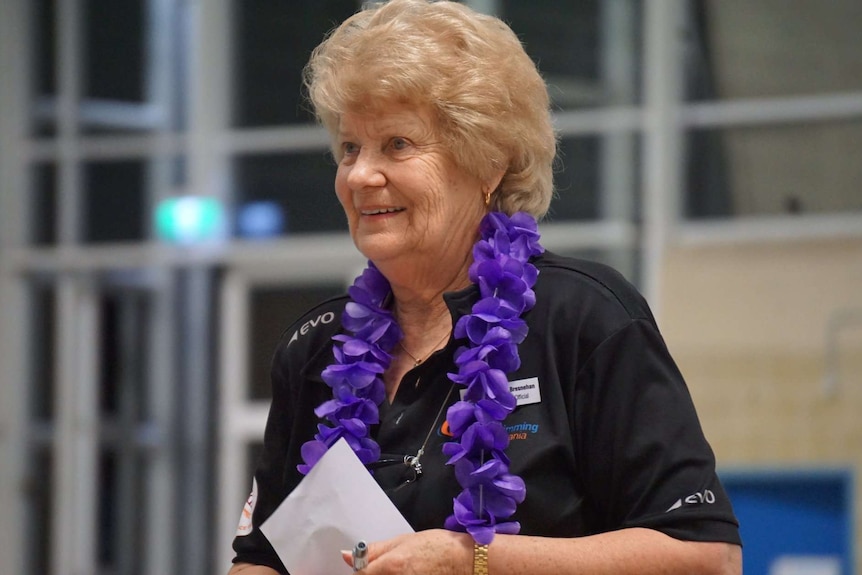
{"x": 360, "y": 556}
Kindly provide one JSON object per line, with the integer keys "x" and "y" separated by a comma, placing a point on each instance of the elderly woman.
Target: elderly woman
{"x": 536, "y": 420}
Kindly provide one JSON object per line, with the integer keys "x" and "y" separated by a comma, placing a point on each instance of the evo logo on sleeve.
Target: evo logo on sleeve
{"x": 697, "y": 498}
{"x": 327, "y": 317}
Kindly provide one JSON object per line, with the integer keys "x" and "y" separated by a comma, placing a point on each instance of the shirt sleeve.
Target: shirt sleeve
{"x": 644, "y": 459}
{"x": 269, "y": 478}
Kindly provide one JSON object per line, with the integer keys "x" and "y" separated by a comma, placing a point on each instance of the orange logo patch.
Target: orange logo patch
{"x": 444, "y": 430}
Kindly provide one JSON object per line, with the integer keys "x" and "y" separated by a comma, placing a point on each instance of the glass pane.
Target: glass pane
{"x": 588, "y": 51}
{"x": 744, "y": 49}
{"x": 114, "y": 42}
{"x": 107, "y": 540}
{"x": 132, "y": 64}
{"x": 577, "y": 184}
{"x": 38, "y": 516}
{"x": 790, "y": 169}
{"x": 121, "y": 508}
{"x": 273, "y": 40}
{"x": 301, "y": 187}
{"x": 44, "y": 46}
{"x": 124, "y": 351}
{"x": 114, "y": 202}
{"x": 135, "y": 66}
{"x": 273, "y": 309}
{"x": 596, "y": 177}
{"x": 43, "y": 334}
{"x": 43, "y": 209}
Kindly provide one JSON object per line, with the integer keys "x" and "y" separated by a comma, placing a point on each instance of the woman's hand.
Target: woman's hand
{"x": 434, "y": 551}
{"x": 627, "y": 551}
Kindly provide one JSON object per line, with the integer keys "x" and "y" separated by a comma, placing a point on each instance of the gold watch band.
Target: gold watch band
{"x": 480, "y": 559}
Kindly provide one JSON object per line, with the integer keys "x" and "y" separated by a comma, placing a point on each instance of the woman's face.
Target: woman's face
{"x": 406, "y": 200}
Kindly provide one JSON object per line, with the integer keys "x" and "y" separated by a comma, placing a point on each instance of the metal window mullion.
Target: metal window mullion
{"x": 194, "y": 425}
{"x": 617, "y": 167}
{"x": 743, "y": 230}
{"x": 599, "y": 121}
{"x": 662, "y": 138}
{"x": 109, "y": 147}
{"x": 17, "y": 519}
{"x": 233, "y": 481}
{"x": 161, "y": 473}
{"x": 75, "y": 449}
{"x": 128, "y": 510}
{"x": 618, "y": 76}
{"x": 612, "y": 119}
{"x": 161, "y": 480}
{"x": 15, "y": 332}
{"x": 765, "y": 111}
{"x": 161, "y": 470}
{"x": 69, "y": 78}
{"x": 105, "y": 113}
{"x": 207, "y": 25}
{"x": 161, "y": 93}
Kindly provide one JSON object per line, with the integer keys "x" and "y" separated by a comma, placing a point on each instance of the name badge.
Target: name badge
{"x": 526, "y": 391}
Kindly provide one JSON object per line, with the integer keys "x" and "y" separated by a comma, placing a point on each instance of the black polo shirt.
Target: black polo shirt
{"x": 605, "y": 435}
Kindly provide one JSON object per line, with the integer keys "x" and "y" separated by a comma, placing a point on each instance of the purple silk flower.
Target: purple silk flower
{"x": 355, "y": 376}
{"x": 494, "y": 329}
{"x": 505, "y": 277}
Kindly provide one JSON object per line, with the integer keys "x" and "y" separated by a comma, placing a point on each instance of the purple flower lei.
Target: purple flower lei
{"x": 494, "y": 328}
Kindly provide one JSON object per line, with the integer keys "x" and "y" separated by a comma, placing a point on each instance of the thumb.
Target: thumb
{"x": 358, "y": 557}
{"x": 379, "y": 548}
{"x": 375, "y": 550}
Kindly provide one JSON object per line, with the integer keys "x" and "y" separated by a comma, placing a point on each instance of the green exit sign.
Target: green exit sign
{"x": 190, "y": 219}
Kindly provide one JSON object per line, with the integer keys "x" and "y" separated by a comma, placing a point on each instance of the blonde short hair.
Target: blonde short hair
{"x": 490, "y": 102}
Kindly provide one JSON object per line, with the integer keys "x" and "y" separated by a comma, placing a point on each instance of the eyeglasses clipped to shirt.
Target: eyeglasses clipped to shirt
{"x": 412, "y": 468}
{"x": 412, "y": 464}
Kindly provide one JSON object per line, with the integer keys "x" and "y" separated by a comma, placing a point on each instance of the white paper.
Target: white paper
{"x": 334, "y": 506}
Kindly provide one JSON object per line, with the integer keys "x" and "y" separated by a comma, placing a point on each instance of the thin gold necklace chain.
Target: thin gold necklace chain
{"x": 418, "y": 361}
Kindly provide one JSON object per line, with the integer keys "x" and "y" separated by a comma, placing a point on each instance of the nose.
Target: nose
{"x": 366, "y": 171}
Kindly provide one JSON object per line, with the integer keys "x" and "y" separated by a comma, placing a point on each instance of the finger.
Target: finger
{"x": 347, "y": 556}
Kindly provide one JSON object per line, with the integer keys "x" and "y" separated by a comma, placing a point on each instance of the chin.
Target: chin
{"x": 377, "y": 251}
{"x": 380, "y": 247}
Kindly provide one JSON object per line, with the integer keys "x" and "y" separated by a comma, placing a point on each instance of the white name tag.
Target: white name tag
{"x": 526, "y": 391}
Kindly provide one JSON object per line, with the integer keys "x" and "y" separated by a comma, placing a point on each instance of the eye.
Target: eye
{"x": 398, "y": 143}
{"x": 349, "y": 148}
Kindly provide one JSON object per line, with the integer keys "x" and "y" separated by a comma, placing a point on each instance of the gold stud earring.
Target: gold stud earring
{"x": 488, "y": 198}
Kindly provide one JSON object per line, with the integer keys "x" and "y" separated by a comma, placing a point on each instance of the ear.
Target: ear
{"x": 491, "y": 185}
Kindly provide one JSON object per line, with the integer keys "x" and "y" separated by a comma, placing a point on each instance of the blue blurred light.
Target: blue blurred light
{"x": 262, "y": 219}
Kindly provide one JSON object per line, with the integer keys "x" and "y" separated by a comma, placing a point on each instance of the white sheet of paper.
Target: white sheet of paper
{"x": 334, "y": 506}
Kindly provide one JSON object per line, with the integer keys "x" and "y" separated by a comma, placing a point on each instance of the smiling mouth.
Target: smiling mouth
{"x": 380, "y": 211}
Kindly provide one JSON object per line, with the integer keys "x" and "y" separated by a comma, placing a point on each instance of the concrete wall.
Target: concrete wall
{"x": 748, "y": 326}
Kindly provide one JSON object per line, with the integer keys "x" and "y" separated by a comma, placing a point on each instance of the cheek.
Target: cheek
{"x": 463, "y": 195}
{"x": 342, "y": 191}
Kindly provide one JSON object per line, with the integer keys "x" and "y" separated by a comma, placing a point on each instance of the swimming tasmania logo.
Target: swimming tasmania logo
{"x": 521, "y": 430}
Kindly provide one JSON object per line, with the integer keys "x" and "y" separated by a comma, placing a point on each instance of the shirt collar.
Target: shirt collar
{"x": 460, "y": 303}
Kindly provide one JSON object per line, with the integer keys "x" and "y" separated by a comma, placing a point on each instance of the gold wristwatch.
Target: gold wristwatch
{"x": 480, "y": 559}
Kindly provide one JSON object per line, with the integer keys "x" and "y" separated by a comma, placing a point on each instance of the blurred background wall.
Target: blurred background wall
{"x": 166, "y": 211}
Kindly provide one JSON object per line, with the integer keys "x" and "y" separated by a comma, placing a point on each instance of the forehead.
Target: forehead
{"x": 387, "y": 120}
